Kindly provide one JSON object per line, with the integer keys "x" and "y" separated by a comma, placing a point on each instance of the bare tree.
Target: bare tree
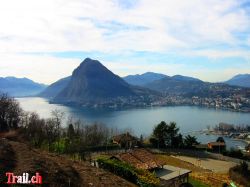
{"x": 57, "y": 117}
{"x": 50, "y": 131}
{"x": 10, "y": 113}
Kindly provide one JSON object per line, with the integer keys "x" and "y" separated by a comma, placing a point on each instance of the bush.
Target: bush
{"x": 240, "y": 174}
{"x": 233, "y": 153}
{"x": 140, "y": 177}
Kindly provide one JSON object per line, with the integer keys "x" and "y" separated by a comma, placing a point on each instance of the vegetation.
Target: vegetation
{"x": 197, "y": 183}
{"x": 220, "y": 139}
{"x": 240, "y": 174}
{"x": 140, "y": 177}
{"x": 10, "y": 113}
{"x": 233, "y": 153}
{"x": 49, "y": 133}
{"x": 167, "y": 135}
{"x": 190, "y": 141}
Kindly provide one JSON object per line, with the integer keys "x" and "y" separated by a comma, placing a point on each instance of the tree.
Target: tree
{"x": 177, "y": 141}
{"x": 71, "y": 132}
{"x": 10, "y": 113}
{"x": 57, "y": 117}
{"x": 34, "y": 129}
{"x": 141, "y": 139}
{"x": 220, "y": 139}
{"x": 160, "y": 134}
{"x": 190, "y": 141}
{"x": 50, "y": 131}
{"x": 165, "y": 134}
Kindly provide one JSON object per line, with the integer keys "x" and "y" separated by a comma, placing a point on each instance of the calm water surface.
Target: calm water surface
{"x": 141, "y": 121}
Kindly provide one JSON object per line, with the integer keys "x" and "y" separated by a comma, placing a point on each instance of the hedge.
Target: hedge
{"x": 140, "y": 177}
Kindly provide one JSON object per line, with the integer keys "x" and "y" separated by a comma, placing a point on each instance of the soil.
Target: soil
{"x": 56, "y": 170}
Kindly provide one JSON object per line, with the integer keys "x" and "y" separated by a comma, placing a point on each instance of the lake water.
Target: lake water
{"x": 189, "y": 119}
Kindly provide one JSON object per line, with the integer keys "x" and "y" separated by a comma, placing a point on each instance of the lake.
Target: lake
{"x": 189, "y": 119}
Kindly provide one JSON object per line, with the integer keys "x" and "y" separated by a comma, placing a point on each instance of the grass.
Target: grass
{"x": 197, "y": 183}
{"x": 180, "y": 163}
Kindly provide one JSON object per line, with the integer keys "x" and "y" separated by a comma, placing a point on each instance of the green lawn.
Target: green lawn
{"x": 197, "y": 183}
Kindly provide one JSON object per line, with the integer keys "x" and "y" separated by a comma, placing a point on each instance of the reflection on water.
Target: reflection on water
{"x": 142, "y": 121}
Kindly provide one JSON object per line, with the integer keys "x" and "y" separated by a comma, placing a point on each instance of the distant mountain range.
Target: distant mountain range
{"x": 150, "y": 77}
{"x": 144, "y": 78}
{"x": 92, "y": 83}
{"x": 20, "y": 87}
{"x": 240, "y": 80}
{"x": 194, "y": 87}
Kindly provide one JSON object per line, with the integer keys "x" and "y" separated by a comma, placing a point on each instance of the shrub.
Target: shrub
{"x": 234, "y": 153}
{"x": 140, "y": 177}
{"x": 240, "y": 174}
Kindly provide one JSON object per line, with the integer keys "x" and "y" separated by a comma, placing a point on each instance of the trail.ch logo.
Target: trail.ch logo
{"x": 23, "y": 179}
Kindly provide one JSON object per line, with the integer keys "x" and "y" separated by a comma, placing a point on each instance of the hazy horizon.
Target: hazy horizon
{"x": 45, "y": 40}
{"x": 113, "y": 72}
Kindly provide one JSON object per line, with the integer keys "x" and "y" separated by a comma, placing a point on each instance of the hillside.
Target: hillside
{"x": 19, "y": 87}
{"x": 189, "y": 87}
{"x": 144, "y": 78}
{"x": 55, "y": 88}
{"x": 240, "y": 80}
{"x": 56, "y": 170}
{"x": 176, "y": 85}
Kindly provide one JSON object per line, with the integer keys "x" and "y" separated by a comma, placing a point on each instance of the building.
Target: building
{"x": 140, "y": 158}
{"x": 144, "y": 159}
{"x": 216, "y": 146}
{"x": 126, "y": 140}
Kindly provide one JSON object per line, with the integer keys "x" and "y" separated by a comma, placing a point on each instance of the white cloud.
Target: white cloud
{"x": 89, "y": 25}
{"x": 141, "y": 67}
{"x": 42, "y": 68}
{"x": 47, "y": 25}
{"x": 217, "y": 54}
{"x": 218, "y": 75}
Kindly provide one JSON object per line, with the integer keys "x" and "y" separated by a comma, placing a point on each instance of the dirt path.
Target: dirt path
{"x": 56, "y": 170}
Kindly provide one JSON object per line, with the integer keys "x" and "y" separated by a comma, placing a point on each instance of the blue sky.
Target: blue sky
{"x": 45, "y": 40}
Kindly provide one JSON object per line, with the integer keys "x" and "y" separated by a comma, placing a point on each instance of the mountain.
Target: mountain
{"x": 176, "y": 85}
{"x": 144, "y": 78}
{"x": 55, "y": 88}
{"x": 188, "y": 87}
{"x": 242, "y": 80}
{"x": 184, "y": 78}
{"x": 20, "y": 87}
{"x": 93, "y": 83}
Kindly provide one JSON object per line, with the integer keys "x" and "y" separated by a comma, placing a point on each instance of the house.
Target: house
{"x": 140, "y": 158}
{"x": 125, "y": 140}
{"x": 144, "y": 159}
{"x": 216, "y": 146}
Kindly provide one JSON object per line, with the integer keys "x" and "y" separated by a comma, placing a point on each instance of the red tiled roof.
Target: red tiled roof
{"x": 217, "y": 143}
{"x": 140, "y": 158}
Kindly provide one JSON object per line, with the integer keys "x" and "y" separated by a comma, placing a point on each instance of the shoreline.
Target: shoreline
{"x": 132, "y": 106}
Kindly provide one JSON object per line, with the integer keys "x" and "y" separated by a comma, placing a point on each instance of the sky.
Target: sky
{"x": 45, "y": 40}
